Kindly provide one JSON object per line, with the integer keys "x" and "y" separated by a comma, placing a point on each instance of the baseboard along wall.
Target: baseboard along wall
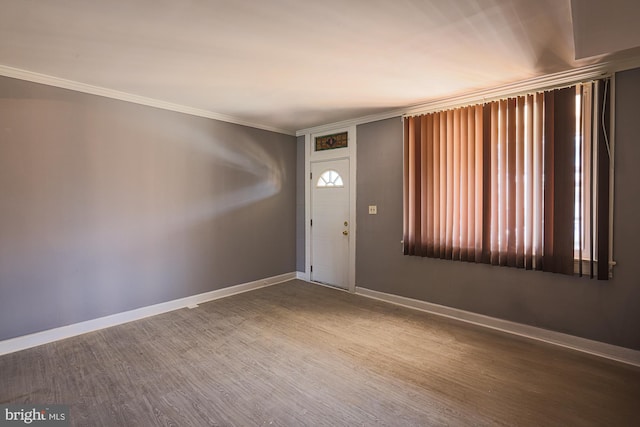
{"x": 608, "y": 351}
{"x": 32, "y": 340}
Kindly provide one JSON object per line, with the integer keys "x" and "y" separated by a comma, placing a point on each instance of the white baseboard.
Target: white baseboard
{"x": 301, "y": 275}
{"x": 32, "y": 340}
{"x": 609, "y": 351}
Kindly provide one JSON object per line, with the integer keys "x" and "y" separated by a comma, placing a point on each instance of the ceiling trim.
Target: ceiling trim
{"x": 541, "y": 83}
{"x": 538, "y": 83}
{"x": 30, "y": 76}
{"x": 352, "y": 122}
{"x": 526, "y": 86}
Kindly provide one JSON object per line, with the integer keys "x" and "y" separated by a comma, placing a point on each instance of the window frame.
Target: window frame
{"x": 583, "y": 202}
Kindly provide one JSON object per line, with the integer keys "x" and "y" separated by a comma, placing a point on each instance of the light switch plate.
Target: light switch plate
{"x": 373, "y": 210}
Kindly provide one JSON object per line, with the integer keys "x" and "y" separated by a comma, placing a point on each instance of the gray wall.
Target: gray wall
{"x": 106, "y": 206}
{"x": 300, "y": 181}
{"x": 607, "y": 311}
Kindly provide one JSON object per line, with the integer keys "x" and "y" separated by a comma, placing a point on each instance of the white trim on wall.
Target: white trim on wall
{"x": 30, "y": 76}
{"x": 596, "y": 348}
{"x": 590, "y": 71}
{"x": 307, "y": 207}
{"x": 538, "y": 83}
{"x": 353, "y": 229}
{"x": 612, "y": 167}
{"x": 32, "y": 340}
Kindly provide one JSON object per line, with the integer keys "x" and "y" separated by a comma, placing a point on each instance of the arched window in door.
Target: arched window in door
{"x": 330, "y": 178}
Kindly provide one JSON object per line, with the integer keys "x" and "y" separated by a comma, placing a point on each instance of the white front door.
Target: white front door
{"x": 330, "y": 228}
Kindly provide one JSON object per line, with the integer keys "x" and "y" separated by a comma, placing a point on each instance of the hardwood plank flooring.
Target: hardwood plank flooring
{"x": 297, "y": 354}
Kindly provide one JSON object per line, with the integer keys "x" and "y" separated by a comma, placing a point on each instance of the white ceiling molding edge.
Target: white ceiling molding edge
{"x": 526, "y": 86}
{"x": 352, "y": 122}
{"x": 30, "y": 76}
{"x": 512, "y": 90}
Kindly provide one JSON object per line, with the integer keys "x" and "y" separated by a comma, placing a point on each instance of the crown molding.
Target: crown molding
{"x": 547, "y": 81}
{"x": 538, "y": 83}
{"x": 31, "y": 76}
{"x": 352, "y": 122}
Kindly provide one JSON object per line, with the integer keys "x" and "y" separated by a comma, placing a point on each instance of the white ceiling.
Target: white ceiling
{"x": 294, "y": 64}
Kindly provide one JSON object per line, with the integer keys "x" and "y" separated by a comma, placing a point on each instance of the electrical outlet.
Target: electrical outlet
{"x": 373, "y": 210}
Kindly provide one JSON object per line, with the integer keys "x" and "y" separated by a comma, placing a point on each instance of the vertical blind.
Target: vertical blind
{"x": 520, "y": 182}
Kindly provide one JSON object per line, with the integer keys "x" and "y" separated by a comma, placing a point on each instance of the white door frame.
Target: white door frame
{"x": 310, "y": 155}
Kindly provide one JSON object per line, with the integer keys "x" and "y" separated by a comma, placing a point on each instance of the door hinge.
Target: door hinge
{"x": 312, "y": 223}
{"x": 310, "y": 175}
{"x": 312, "y": 268}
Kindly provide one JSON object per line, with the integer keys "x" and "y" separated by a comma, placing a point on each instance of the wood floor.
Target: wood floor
{"x": 296, "y": 354}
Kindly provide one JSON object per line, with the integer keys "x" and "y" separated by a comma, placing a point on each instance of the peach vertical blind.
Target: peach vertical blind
{"x": 444, "y": 176}
{"x": 496, "y": 183}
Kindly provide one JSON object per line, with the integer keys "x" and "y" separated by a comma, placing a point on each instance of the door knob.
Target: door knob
{"x": 345, "y": 232}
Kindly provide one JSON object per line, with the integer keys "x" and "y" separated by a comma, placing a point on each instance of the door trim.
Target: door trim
{"x": 343, "y": 153}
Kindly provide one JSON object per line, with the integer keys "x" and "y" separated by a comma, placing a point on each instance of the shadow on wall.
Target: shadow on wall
{"x": 247, "y": 158}
{"x": 107, "y": 206}
{"x": 174, "y": 182}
